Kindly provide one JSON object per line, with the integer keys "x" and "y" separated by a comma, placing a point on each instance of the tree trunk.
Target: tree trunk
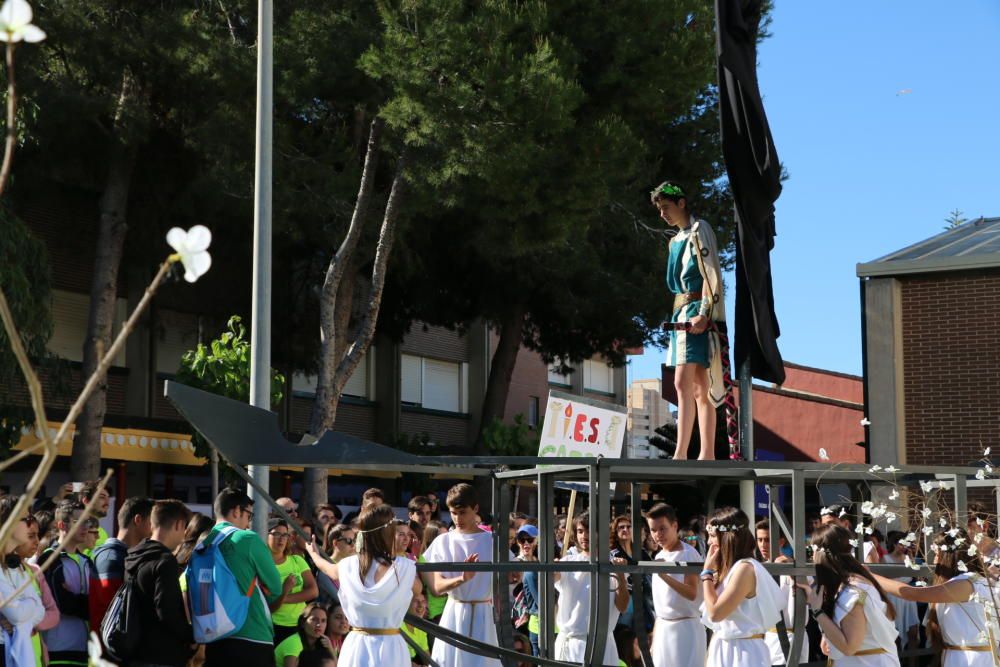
{"x": 86, "y": 458}
{"x": 85, "y": 461}
{"x": 501, "y": 371}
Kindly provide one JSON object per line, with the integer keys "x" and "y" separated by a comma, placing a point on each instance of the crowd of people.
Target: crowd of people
{"x": 329, "y": 589}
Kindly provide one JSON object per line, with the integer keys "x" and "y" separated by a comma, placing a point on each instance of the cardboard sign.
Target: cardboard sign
{"x": 576, "y": 426}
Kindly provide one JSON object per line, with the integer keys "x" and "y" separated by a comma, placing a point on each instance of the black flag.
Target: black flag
{"x": 755, "y": 180}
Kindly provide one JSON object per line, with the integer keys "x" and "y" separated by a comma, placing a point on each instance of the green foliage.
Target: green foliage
{"x": 517, "y": 439}
{"x": 223, "y": 367}
{"x": 24, "y": 274}
{"x": 954, "y": 219}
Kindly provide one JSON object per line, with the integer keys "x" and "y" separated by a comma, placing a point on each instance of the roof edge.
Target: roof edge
{"x": 880, "y": 268}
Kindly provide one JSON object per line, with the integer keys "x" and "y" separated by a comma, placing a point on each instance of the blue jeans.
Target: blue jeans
{"x": 533, "y": 638}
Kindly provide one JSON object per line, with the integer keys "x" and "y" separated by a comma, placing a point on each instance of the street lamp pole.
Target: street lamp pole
{"x": 260, "y": 326}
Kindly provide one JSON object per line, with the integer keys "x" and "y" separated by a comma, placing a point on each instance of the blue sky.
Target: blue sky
{"x": 871, "y": 170}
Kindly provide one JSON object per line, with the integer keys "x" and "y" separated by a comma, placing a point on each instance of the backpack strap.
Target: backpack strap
{"x": 220, "y": 537}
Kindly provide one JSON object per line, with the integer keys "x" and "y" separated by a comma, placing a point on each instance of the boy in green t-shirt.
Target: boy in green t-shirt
{"x": 418, "y": 607}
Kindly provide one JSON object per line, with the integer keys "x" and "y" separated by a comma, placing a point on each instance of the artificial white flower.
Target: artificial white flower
{"x": 908, "y": 562}
{"x": 980, "y": 474}
{"x": 920, "y": 582}
{"x": 15, "y": 23}
{"x": 94, "y": 652}
{"x": 925, "y": 486}
{"x": 978, "y": 538}
{"x": 894, "y": 495}
{"x": 866, "y": 422}
{"x": 927, "y": 530}
{"x": 911, "y": 537}
{"x": 854, "y": 543}
{"x": 988, "y": 468}
{"x": 935, "y": 548}
{"x": 979, "y": 522}
{"x": 859, "y": 529}
{"x": 875, "y": 468}
{"x": 943, "y": 522}
{"x": 867, "y": 507}
{"x": 823, "y": 456}
{"x": 943, "y": 547}
{"x": 722, "y": 529}
{"x": 869, "y": 530}
{"x": 926, "y": 512}
{"x": 953, "y": 532}
{"x": 842, "y": 514}
{"x": 892, "y": 469}
{"x": 825, "y": 511}
{"x": 890, "y": 517}
{"x": 942, "y": 484}
{"x": 986, "y": 452}
{"x": 973, "y": 550}
{"x": 962, "y": 567}
{"x": 192, "y": 250}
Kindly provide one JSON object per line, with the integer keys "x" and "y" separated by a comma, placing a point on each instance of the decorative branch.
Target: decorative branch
{"x": 11, "y": 139}
{"x": 87, "y": 511}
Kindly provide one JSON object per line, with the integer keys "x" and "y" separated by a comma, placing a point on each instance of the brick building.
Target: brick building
{"x": 931, "y": 336}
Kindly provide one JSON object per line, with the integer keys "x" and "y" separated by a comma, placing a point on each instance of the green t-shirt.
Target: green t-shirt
{"x": 249, "y": 558}
{"x": 288, "y": 613}
{"x": 292, "y": 646}
{"x": 418, "y": 636}
{"x": 435, "y": 603}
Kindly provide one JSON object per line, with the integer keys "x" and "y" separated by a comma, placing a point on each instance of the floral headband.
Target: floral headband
{"x": 724, "y": 528}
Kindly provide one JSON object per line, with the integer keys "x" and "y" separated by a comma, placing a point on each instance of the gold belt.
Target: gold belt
{"x": 775, "y": 630}
{"x": 683, "y": 299}
{"x": 486, "y": 601}
{"x": 867, "y": 651}
{"x": 680, "y": 618}
{"x": 376, "y": 631}
{"x": 736, "y": 639}
{"x": 949, "y": 647}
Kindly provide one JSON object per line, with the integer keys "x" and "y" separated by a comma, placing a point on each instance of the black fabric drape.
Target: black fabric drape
{"x": 755, "y": 180}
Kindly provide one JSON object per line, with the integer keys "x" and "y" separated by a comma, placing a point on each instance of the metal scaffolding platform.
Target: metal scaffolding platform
{"x": 248, "y": 436}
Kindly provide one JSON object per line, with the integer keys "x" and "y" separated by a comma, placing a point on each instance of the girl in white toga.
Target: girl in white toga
{"x": 741, "y": 599}
{"x": 852, "y": 610}
{"x": 679, "y": 638}
{"x": 962, "y": 621}
{"x": 573, "y": 614}
{"x": 375, "y": 593}
{"x": 469, "y": 609}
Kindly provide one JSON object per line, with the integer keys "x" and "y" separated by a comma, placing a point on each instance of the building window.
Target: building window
{"x": 434, "y": 384}
{"x": 557, "y": 378}
{"x": 359, "y": 385}
{"x": 598, "y": 376}
{"x": 70, "y": 314}
{"x": 533, "y": 411}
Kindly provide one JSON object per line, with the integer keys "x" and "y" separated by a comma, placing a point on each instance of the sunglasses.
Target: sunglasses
{"x": 624, "y": 527}
{"x": 279, "y": 536}
{"x": 346, "y": 540}
{"x": 524, "y": 539}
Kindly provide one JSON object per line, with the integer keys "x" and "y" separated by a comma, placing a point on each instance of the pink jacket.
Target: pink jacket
{"x": 51, "y": 618}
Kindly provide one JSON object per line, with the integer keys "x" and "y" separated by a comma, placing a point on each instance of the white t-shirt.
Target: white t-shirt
{"x": 668, "y": 603}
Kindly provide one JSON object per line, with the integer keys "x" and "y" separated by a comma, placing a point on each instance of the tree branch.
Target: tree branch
{"x": 366, "y": 329}
{"x": 338, "y": 265}
{"x": 11, "y": 140}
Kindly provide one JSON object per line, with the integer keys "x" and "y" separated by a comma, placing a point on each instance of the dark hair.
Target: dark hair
{"x": 369, "y": 496}
{"x": 893, "y": 538}
{"x": 199, "y": 526}
{"x": 230, "y": 499}
{"x": 44, "y": 519}
{"x": 432, "y": 530}
{"x": 836, "y": 563}
{"x": 275, "y": 522}
{"x": 662, "y": 511}
{"x": 418, "y": 530}
{"x": 334, "y": 533}
{"x": 946, "y": 568}
{"x": 337, "y": 514}
{"x": 416, "y": 502}
{"x": 7, "y": 504}
{"x": 89, "y": 489}
{"x": 65, "y": 509}
{"x": 461, "y": 496}
{"x": 378, "y": 537}
{"x": 133, "y": 507}
{"x": 657, "y": 195}
{"x": 763, "y": 524}
{"x": 613, "y": 532}
{"x": 312, "y": 653}
{"x": 736, "y": 542}
{"x": 168, "y": 512}
{"x": 582, "y": 519}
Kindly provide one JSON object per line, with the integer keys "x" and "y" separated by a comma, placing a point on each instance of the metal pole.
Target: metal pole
{"x": 260, "y": 326}
{"x": 747, "y": 501}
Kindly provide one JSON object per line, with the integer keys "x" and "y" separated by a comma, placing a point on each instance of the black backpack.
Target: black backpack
{"x": 120, "y": 631}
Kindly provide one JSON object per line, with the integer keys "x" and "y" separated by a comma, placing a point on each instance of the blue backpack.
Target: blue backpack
{"x": 219, "y": 607}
